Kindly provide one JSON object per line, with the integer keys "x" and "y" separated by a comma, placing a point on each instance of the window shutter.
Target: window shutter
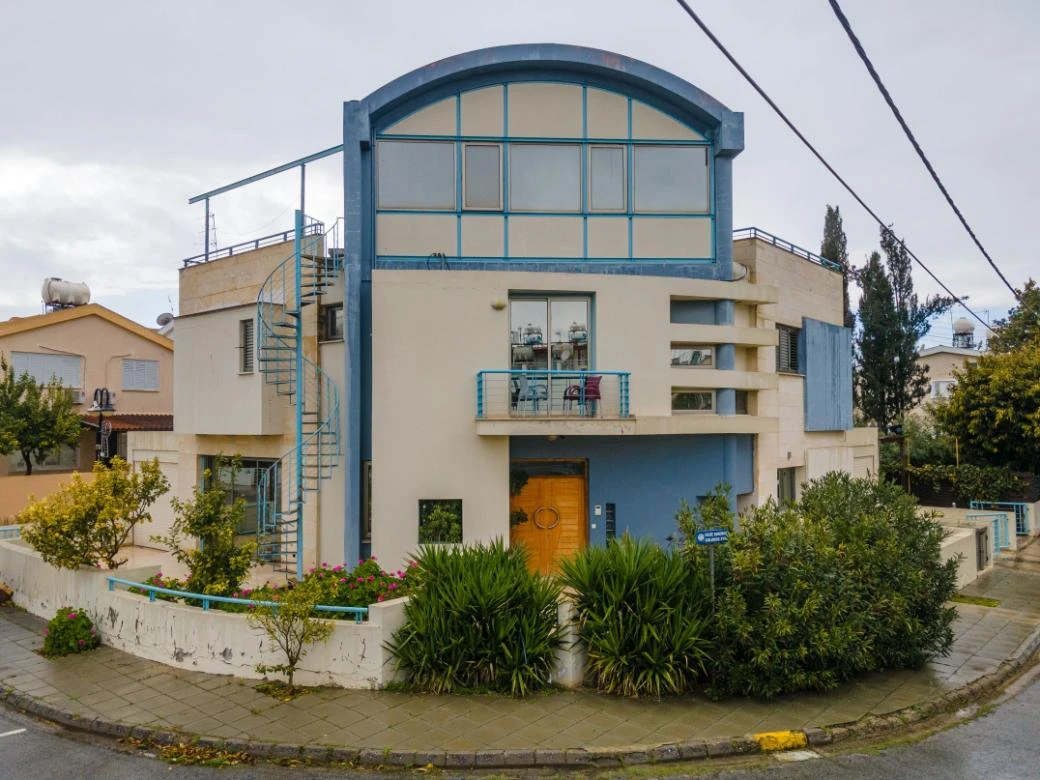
{"x": 246, "y": 344}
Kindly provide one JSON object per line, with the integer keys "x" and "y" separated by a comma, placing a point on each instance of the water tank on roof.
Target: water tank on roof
{"x": 59, "y": 294}
{"x": 963, "y": 325}
{"x": 964, "y": 333}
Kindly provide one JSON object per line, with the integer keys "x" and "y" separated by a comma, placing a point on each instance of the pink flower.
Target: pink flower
{"x": 338, "y": 568}
{"x": 342, "y": 580}
{"x": 360, "y": 579}
{"x": 380, "y": 598}
{"x": 46, "y": 632}
{"x": 72, "y": 616}
{"x": 324, "y": 565}
{"x": 353, "y": 586}
{"x": 371, "y": 578}
{"x": 393, "y": 586}
{"x": 82, "y": 642}
{"x": 373, "y": 558}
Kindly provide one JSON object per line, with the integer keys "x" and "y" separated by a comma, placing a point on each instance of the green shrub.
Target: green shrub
{"x": 481, "y": 620}
{"x": 641, "y": 616}
{"x": 847, "y": 581}
{"x": 86, "y": 523}
{"x": 216, "y": 564}
{"x": 69, "y": 631}
{"x": 292, "y": 627}
{"x": 365, "y": 584}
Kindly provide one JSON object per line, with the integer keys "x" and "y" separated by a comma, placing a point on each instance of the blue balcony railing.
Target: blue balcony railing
{"x": 10, "y": 531}
{"x": 1017, "y": 508}
{"x": 511, "y": 394}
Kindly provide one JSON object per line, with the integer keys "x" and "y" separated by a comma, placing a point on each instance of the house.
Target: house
{"x": 89, "y": 348}
{"x": 940, "y": 362}
{"x": 536, "y": 323}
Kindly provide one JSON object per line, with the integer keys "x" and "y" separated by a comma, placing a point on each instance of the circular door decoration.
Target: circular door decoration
{"x": 555, "y": 517}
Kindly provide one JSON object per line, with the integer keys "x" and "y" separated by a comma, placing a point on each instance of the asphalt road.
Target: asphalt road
{"x": 1002, "y": 745}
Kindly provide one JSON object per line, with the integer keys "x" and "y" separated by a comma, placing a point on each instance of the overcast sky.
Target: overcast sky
{"x": 112, "y": 114}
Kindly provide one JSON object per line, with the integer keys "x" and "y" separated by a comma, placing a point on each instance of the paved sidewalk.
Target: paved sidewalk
{"x": 112, "y": 687}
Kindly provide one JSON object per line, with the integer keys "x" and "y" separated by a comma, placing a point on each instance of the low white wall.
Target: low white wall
{"x": 960, "y": 543}
{"x": 211, "y": 641}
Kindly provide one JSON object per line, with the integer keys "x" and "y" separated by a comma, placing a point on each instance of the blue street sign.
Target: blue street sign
{"x": 712, "y": 536}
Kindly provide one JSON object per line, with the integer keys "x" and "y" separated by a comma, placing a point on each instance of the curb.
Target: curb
{"x": 576, "y": 758}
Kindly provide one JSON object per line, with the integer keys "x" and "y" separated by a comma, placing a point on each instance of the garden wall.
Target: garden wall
{"x": 211, "y": 641}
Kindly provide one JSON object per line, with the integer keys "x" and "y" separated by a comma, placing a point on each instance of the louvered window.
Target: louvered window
{"x": 787, "y": 349}
{"x": 246, "y": 346}
{"x": 45, "y": 368}
{"x": 140, "y": 374}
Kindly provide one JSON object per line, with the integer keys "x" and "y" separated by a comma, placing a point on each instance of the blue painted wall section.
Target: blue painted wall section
{"x": 646, "y": 476}
{"x": 826, "y": 353}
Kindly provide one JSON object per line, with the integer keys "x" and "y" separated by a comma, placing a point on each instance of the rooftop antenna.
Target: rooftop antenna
{"x": 213, "y": 227}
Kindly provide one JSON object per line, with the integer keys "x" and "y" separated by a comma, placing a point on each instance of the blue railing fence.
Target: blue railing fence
{"x": 1020, "y": 510}
{"x": 312, "y": 229}
{"x": 359, "y": 613}
{"x": 518, "y": 393}
{"x": 10, "y": 532}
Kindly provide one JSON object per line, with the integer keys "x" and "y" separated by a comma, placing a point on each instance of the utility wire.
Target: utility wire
{"x": 747, "y": 76}
{"x": 913, "y": 141}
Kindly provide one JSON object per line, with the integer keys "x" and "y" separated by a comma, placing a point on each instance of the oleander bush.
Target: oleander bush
{"x": 480, "y": 621}
{"x": 642, "y": 617}
{"x": 69, "y": 631}
{"x": 849, "y": 580}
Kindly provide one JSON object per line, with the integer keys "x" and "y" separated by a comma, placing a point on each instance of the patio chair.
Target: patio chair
{"x": 527, "y": 391}
{"x": 584, "y": 392}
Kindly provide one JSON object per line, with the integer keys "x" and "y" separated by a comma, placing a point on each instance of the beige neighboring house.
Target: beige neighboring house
{"x": 942, "y": 361}
{"x": 88, "y": 348}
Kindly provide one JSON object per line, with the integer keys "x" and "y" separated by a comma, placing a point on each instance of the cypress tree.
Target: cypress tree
{"x": 835, "y": 247}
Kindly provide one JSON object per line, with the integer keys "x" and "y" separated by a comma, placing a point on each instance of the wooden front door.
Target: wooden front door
{"x": 556, "y": 526}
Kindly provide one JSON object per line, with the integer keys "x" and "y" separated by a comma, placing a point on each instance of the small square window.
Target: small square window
{"x": 670, "y": 179}
{"x": 786, "y": 486}
{"x": 246, "y": 346}
{"x": 140, "y": 374}
{"x": 787, "y": 349}
{"x": 332, "y": 322}
{"x": 545, "y": 177}
{"x": 416, "y": 174}
{"x": 693, "y": 356}
{"x": 741, "y": 401}
{"x": 693, "y": 400}
{"x": 482, "y": 180}
{"x": 440, "y": 520}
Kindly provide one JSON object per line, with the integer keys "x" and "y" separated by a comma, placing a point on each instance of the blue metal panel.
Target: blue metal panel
{"x": 693, "y": 312}
{"x": 646, "y": 476}
{"x": 825, "y": 357}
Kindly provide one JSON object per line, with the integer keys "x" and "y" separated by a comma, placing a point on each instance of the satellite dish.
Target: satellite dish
{"x": 164, "y": 319}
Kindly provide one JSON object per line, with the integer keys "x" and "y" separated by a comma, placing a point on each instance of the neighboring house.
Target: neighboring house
{"x": 942, "y": 361}
{"x": 90, "y": 347}
{"x": 537, "y": 292}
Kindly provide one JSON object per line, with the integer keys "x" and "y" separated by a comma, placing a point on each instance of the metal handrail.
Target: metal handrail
{"x": 549, "y": 374}
{"x": 10, "y": 531}
{"x": 312, "y": 229}
{"x": 763, "y": 235}
{"x": 153, "y": 590}
{"x": 1020, "y": 509}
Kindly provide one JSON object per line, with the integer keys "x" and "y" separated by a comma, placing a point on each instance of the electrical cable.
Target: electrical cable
{"x": 762, "y": 93}
{"x": 843, "y": 20}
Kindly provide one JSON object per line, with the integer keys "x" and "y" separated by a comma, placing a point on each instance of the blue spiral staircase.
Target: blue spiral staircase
{"x": 297, "y": 283}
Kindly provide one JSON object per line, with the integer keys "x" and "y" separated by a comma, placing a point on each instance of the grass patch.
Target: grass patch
{"x": 980, "y": 601}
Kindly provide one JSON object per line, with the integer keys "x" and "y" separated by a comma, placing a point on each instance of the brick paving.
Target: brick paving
{"x": 118, "y": 688}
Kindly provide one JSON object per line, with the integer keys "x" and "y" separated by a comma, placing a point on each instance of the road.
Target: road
{"x": 1002, "y": 745}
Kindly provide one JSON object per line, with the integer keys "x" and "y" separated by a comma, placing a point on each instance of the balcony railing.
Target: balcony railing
{"x": 512, "y": 394}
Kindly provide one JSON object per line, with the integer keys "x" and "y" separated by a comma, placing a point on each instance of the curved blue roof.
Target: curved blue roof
{"x": 564, "y": 62}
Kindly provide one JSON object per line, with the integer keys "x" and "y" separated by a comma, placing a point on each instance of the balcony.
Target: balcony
{"x": 552, "y": 395}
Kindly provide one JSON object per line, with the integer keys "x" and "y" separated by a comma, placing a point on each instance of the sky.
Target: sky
{"x": 112, "y": 114}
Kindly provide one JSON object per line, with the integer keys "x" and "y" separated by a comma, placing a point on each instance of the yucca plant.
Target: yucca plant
{"x": 481, "y": 620}
{"x": 642, "y": 615}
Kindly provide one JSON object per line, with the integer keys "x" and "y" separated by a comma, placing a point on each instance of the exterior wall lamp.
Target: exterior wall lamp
{"x": 102, "y": 403}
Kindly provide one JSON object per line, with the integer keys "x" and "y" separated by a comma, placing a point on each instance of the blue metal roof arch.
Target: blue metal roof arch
{"x": 557, "y": 62}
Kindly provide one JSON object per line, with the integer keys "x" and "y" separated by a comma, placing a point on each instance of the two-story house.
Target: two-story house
{"x": 537, "y": 324}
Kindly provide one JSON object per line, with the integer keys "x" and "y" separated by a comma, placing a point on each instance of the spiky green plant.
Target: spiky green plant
{"x": 481, "y": 620}
{"x": 642, "y": 617}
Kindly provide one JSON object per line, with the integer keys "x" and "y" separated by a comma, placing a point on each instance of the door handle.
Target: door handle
{"x": 556, "y": 514}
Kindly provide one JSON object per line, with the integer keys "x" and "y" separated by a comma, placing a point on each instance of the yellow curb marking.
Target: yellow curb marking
{"x": 780, "y": 740}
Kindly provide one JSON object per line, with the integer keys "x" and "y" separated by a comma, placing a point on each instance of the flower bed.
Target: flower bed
{"x": 361, "y": 586}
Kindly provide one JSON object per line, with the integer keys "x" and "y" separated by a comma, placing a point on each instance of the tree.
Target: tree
{"x": 835, "y": 247}
{"x": 34, "y": 421}
{"x": 1022, "y": 325}
{"x": 86, "y": 522}
{"x": 994, "y": 410}
{"x": 216, "y": 564}
{"x": 292, "y": 627}
{"x": 889, "y": 381}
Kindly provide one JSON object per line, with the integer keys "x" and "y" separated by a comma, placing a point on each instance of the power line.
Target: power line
{"x": 747, "y": 76}
{"x": 913, "y": 141}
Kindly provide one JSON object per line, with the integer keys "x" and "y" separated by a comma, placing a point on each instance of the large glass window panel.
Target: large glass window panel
{"x": 482, "y": 169}
{"x": 545, "y": 177}
{"x": 690, "y": 355}
{"x": 416, "y": 174}
{"x": 670, "y": 178}
{"x": 569, "y": 330}
{"x": 606, "y": 178}
{"x": 693, "y": 400}
{"x": 529, "y": 328}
